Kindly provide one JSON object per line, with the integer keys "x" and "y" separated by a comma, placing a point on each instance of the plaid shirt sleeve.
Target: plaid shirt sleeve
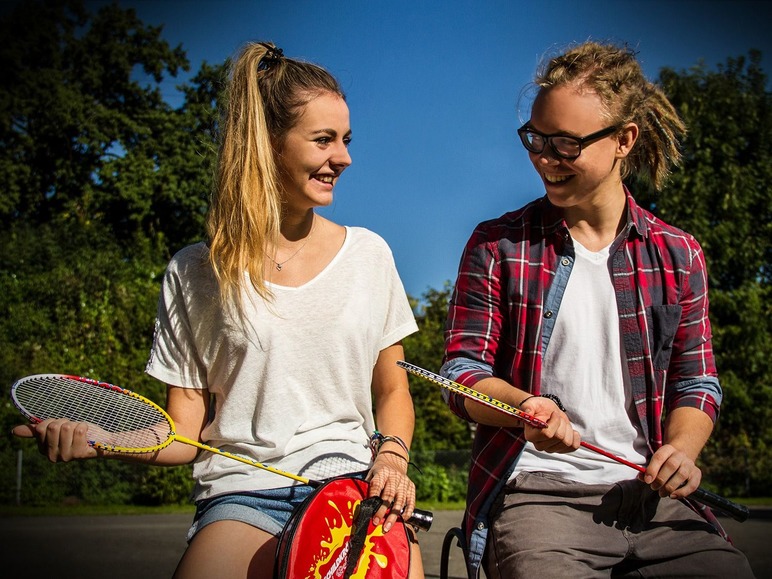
{"x": 692, "y": 372}
{"x": 474, "y": 322}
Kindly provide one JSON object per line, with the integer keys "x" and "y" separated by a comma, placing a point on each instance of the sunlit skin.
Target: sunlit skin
{"x": 313, "y": 155}
{"x": 311, "y": 158}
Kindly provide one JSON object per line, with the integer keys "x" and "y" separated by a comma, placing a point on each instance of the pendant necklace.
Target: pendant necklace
{"x": 280, "y": 264}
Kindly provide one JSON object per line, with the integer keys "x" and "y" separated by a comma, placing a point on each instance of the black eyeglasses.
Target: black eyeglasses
{"x": 564, "y": 146}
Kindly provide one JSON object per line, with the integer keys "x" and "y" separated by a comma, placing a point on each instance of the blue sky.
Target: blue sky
{"x": 434, "y": 90}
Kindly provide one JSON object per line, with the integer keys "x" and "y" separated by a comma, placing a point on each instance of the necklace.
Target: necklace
{"x": 280, "y": 264}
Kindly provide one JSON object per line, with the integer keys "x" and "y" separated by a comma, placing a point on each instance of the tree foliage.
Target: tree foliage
{"x": 436, "y": 427}
{"x": 721, "y": 195}
{"x": 86, "y": 135}
{"x": 102, "y": 181}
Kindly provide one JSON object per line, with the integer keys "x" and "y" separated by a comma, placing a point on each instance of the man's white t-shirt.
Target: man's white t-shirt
{"x": 291, "y": 378}
{"x": 585, "y": 366}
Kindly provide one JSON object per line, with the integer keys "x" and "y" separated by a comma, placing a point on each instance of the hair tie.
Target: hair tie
{"x": 271, "y": 57}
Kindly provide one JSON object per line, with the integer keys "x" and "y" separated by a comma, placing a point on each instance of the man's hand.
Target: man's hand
{"x": 672, "y": 473}
{"x": 559, "y": 436}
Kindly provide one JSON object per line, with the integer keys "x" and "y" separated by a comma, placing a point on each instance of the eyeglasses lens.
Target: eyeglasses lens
{"x": 566, "y": 147}
{"x": 563, "y": 146}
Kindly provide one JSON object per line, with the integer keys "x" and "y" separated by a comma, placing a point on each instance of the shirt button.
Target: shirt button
{"x": 480, "y": 526}
{"x": 548, "y": 314}
{"x": 565, "y": 261}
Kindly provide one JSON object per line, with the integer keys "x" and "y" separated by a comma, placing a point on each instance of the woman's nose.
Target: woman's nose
{"x": 341, "y": 157}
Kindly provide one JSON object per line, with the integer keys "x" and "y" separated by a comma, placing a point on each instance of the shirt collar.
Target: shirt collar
{"x": 554, "y": 223}
{"x": 636, "y": 217}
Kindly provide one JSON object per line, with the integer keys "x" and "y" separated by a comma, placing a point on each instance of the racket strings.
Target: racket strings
{"x": 327, "y": 466}
{"x": 116, "y": 417}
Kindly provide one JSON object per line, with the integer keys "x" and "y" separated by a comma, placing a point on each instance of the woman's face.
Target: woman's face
{"x": 594, "y": 175}
{"x": 314, "y": 153}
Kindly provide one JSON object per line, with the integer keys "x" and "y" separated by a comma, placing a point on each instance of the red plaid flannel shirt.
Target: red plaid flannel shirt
{"x": 501, "y": 306}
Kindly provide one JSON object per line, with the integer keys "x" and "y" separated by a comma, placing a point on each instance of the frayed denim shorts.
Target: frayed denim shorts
{"x": 268, "y": 510}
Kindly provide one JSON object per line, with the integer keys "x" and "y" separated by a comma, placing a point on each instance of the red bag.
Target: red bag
{"x": 317, "y": 540}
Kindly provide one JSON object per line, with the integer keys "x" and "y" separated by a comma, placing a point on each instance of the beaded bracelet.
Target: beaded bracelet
{"x": 552, "y": 397}
{"x": 377, "y": 440}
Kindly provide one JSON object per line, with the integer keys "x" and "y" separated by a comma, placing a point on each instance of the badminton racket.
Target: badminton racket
{"x": 122, "y": 421}
{"x": 736, "y": 511}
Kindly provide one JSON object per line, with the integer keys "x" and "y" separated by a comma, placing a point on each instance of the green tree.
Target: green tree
{"x": 721, "y": 195}
{"x": 437, "y": 428}
{"x": 442, "y": 441}
{"x": 102, "y": 181}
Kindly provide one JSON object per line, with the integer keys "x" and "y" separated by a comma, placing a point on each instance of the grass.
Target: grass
{"x": 84, "y": 510}
{"x": 753, "y": 501}
{"x": 97, "y": 510}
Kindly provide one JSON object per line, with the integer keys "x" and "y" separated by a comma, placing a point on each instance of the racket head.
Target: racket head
{"x": 118, "y": 419}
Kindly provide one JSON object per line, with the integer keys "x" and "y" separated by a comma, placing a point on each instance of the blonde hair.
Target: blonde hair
{"x": 265, "y": 97}
{"x": 614, "y": 74}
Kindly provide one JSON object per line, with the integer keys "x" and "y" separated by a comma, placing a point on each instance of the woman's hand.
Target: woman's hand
{"x": 388, "y": 479}
{"x": 59, "y": 439}
{"x": 559, "y": 436}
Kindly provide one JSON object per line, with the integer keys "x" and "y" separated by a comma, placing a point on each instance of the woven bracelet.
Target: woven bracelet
{"x": 377, "y": 440}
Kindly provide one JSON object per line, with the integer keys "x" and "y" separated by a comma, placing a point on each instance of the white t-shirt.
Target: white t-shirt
{"x": 291, "y": 380}
{"x": 585, "y": 366}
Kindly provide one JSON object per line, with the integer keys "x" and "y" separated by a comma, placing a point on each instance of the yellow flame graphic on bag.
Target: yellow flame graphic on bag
{"x": 340, "y": 530}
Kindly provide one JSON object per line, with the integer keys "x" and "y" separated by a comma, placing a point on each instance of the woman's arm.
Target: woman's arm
{"x": 394, "y": 416}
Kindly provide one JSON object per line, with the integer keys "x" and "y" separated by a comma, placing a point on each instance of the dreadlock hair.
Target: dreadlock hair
{"x": 614, "y": 74}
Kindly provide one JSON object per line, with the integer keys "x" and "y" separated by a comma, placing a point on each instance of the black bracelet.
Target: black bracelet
{"x": 555, "y": 399}
{"x": 552, "y": 397}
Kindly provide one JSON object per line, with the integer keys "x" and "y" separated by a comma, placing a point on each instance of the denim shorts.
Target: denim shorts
{"x": 268, "y": 510}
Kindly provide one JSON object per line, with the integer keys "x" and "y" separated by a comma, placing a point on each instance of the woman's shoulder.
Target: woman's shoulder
{"x": 363, "y": 237}
{"x": 192, "y": 257}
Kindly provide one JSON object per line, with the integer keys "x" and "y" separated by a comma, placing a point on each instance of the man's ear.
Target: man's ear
{"x": 627, "y": 137}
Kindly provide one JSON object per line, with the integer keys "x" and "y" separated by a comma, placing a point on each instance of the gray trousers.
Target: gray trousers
{"x": 545, "y": 526}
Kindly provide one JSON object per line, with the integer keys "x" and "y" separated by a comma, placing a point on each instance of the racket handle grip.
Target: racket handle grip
{"x": 736, "y": 511}
{"x": 421, "y": 520}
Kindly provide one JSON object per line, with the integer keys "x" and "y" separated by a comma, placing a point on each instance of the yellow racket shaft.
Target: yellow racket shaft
{"x": 472, "y": 394}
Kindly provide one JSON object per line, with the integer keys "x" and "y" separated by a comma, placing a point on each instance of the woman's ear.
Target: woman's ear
{"x": 627, "y": 137}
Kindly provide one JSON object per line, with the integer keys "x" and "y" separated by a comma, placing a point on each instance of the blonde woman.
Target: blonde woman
{"x": 278, "y": 336}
